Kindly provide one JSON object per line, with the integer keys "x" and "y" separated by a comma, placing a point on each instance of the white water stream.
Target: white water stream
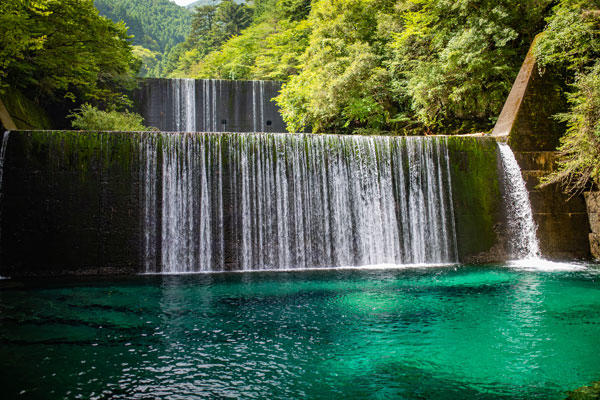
{"x": 524, "y": 245}
{"x": 521, "y": 226}
{"x": 280, "y": 201}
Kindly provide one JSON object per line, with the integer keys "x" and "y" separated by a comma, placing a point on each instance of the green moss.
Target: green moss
{"x": 591, "y": 392}
{"x": 84, "y": 152}
{"x": 476, "y": 193}
{"x": 24, "y": 112}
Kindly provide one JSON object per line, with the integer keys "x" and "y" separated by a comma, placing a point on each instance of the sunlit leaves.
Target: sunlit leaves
{"x": 572, "y": 41}
{"x": 90, "y": 118}
{"x": 64, "y": 49}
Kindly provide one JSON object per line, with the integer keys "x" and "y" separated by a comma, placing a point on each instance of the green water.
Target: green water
{"x": 432, "y": 333}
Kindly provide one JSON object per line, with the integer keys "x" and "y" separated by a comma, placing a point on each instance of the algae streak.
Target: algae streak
{"x": 477, "y": 198}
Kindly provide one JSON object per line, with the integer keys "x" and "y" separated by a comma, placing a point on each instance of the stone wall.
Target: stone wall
{"x": 562, "y": 220}
{"x": 527, "y": 122}
{"x": 592, "y": 200}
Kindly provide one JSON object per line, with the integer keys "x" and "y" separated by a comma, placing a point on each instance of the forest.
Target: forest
{"x": 156, "y": 26}
{"x": 407, "y": 66}
{"x": 353, "y": 66}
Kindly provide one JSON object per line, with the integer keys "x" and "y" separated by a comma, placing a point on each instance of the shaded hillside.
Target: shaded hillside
{"x": 200, "y": 3}
{"x": 157, "y": 25}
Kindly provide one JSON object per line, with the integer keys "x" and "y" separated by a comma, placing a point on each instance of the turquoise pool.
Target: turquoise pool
{"x": 486, "y": 332}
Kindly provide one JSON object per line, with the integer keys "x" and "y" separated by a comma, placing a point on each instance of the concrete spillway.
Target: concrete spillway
{"x": 273, "y": 201}
{"x": 209, "y": 105}
{"x": 123, "y": 202}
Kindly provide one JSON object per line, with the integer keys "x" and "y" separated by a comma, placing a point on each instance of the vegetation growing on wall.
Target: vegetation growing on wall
{"x": 572, "y": 41}
{"x": 476, "y": 195}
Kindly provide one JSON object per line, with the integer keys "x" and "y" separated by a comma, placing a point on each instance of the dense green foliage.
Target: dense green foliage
{"x": 266, "y": 45}
{"x": 57, "y": 49}
{"x": 364, "y": 65}
{"x": 456, "y": 60}
{"x": 572, "y": 41}
{"x": 89, "y": 118}
{"x": 200, "y": 3}
{"x": 157, "y": 26}
{"x": 212, "y": 25}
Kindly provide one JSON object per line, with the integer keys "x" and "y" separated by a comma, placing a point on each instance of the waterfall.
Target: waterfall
{"x": 213, "y": 202}
{"x": 184, "y": 94}
{"x": 258, "y": 106}
{"x": 210, "y": 105}
{"x": 521, "y": 227}
{"x": 2, "y": 155}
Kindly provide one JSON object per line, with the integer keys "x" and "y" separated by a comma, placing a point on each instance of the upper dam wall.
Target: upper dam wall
{"x": 209, "y": 105}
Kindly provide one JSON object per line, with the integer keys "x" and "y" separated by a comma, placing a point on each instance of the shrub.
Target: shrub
{"x": 90, "y": 118}
{"x": 572, "y": 41}
{"x": 579, "y": 160}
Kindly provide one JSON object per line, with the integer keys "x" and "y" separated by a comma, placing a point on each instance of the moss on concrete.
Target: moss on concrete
{"x": 477, "y": 198}
{"x": 82, "y": 151}
{"x": 24, "y": 112}
{"x": 535, "y": 127}
{"x": 74, "y": 198}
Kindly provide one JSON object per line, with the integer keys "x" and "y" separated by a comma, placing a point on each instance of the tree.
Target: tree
{"x": 64, "y": 49}
{"x": 202, "y": 24}
{"x": 342, "y": 85}
{"x": 231, "y": 17}
{"x": 572, "y": 41}
{"x": 18, "y": 36}
{"x": 456, "y": 60}
{"x": 211, "y": 27}
{"x": 149, "y": 59}
{"x": 157, "y": 25}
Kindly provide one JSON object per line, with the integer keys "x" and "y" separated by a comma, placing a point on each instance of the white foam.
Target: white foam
{"x": 540, "y": 264}
{"x": 375, "y": 267}
{"x": 521, "y": 226}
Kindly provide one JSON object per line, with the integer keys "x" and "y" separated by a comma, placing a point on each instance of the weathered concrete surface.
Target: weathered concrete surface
{"x": 562, "y": 221}
{"x": 527, "y": 118}
{"x": 478, "y": 207}
{"x": 527, "y": 123}
{"x": 18, "y": 112}
{"x": 69, "y": 204}
{"x": 592, "y": 201}
{"x": 595, "y": 245}
{"x": 5, "y": 118}
{"x": 507, "y": 117}
{"x": 221, "y": 105}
